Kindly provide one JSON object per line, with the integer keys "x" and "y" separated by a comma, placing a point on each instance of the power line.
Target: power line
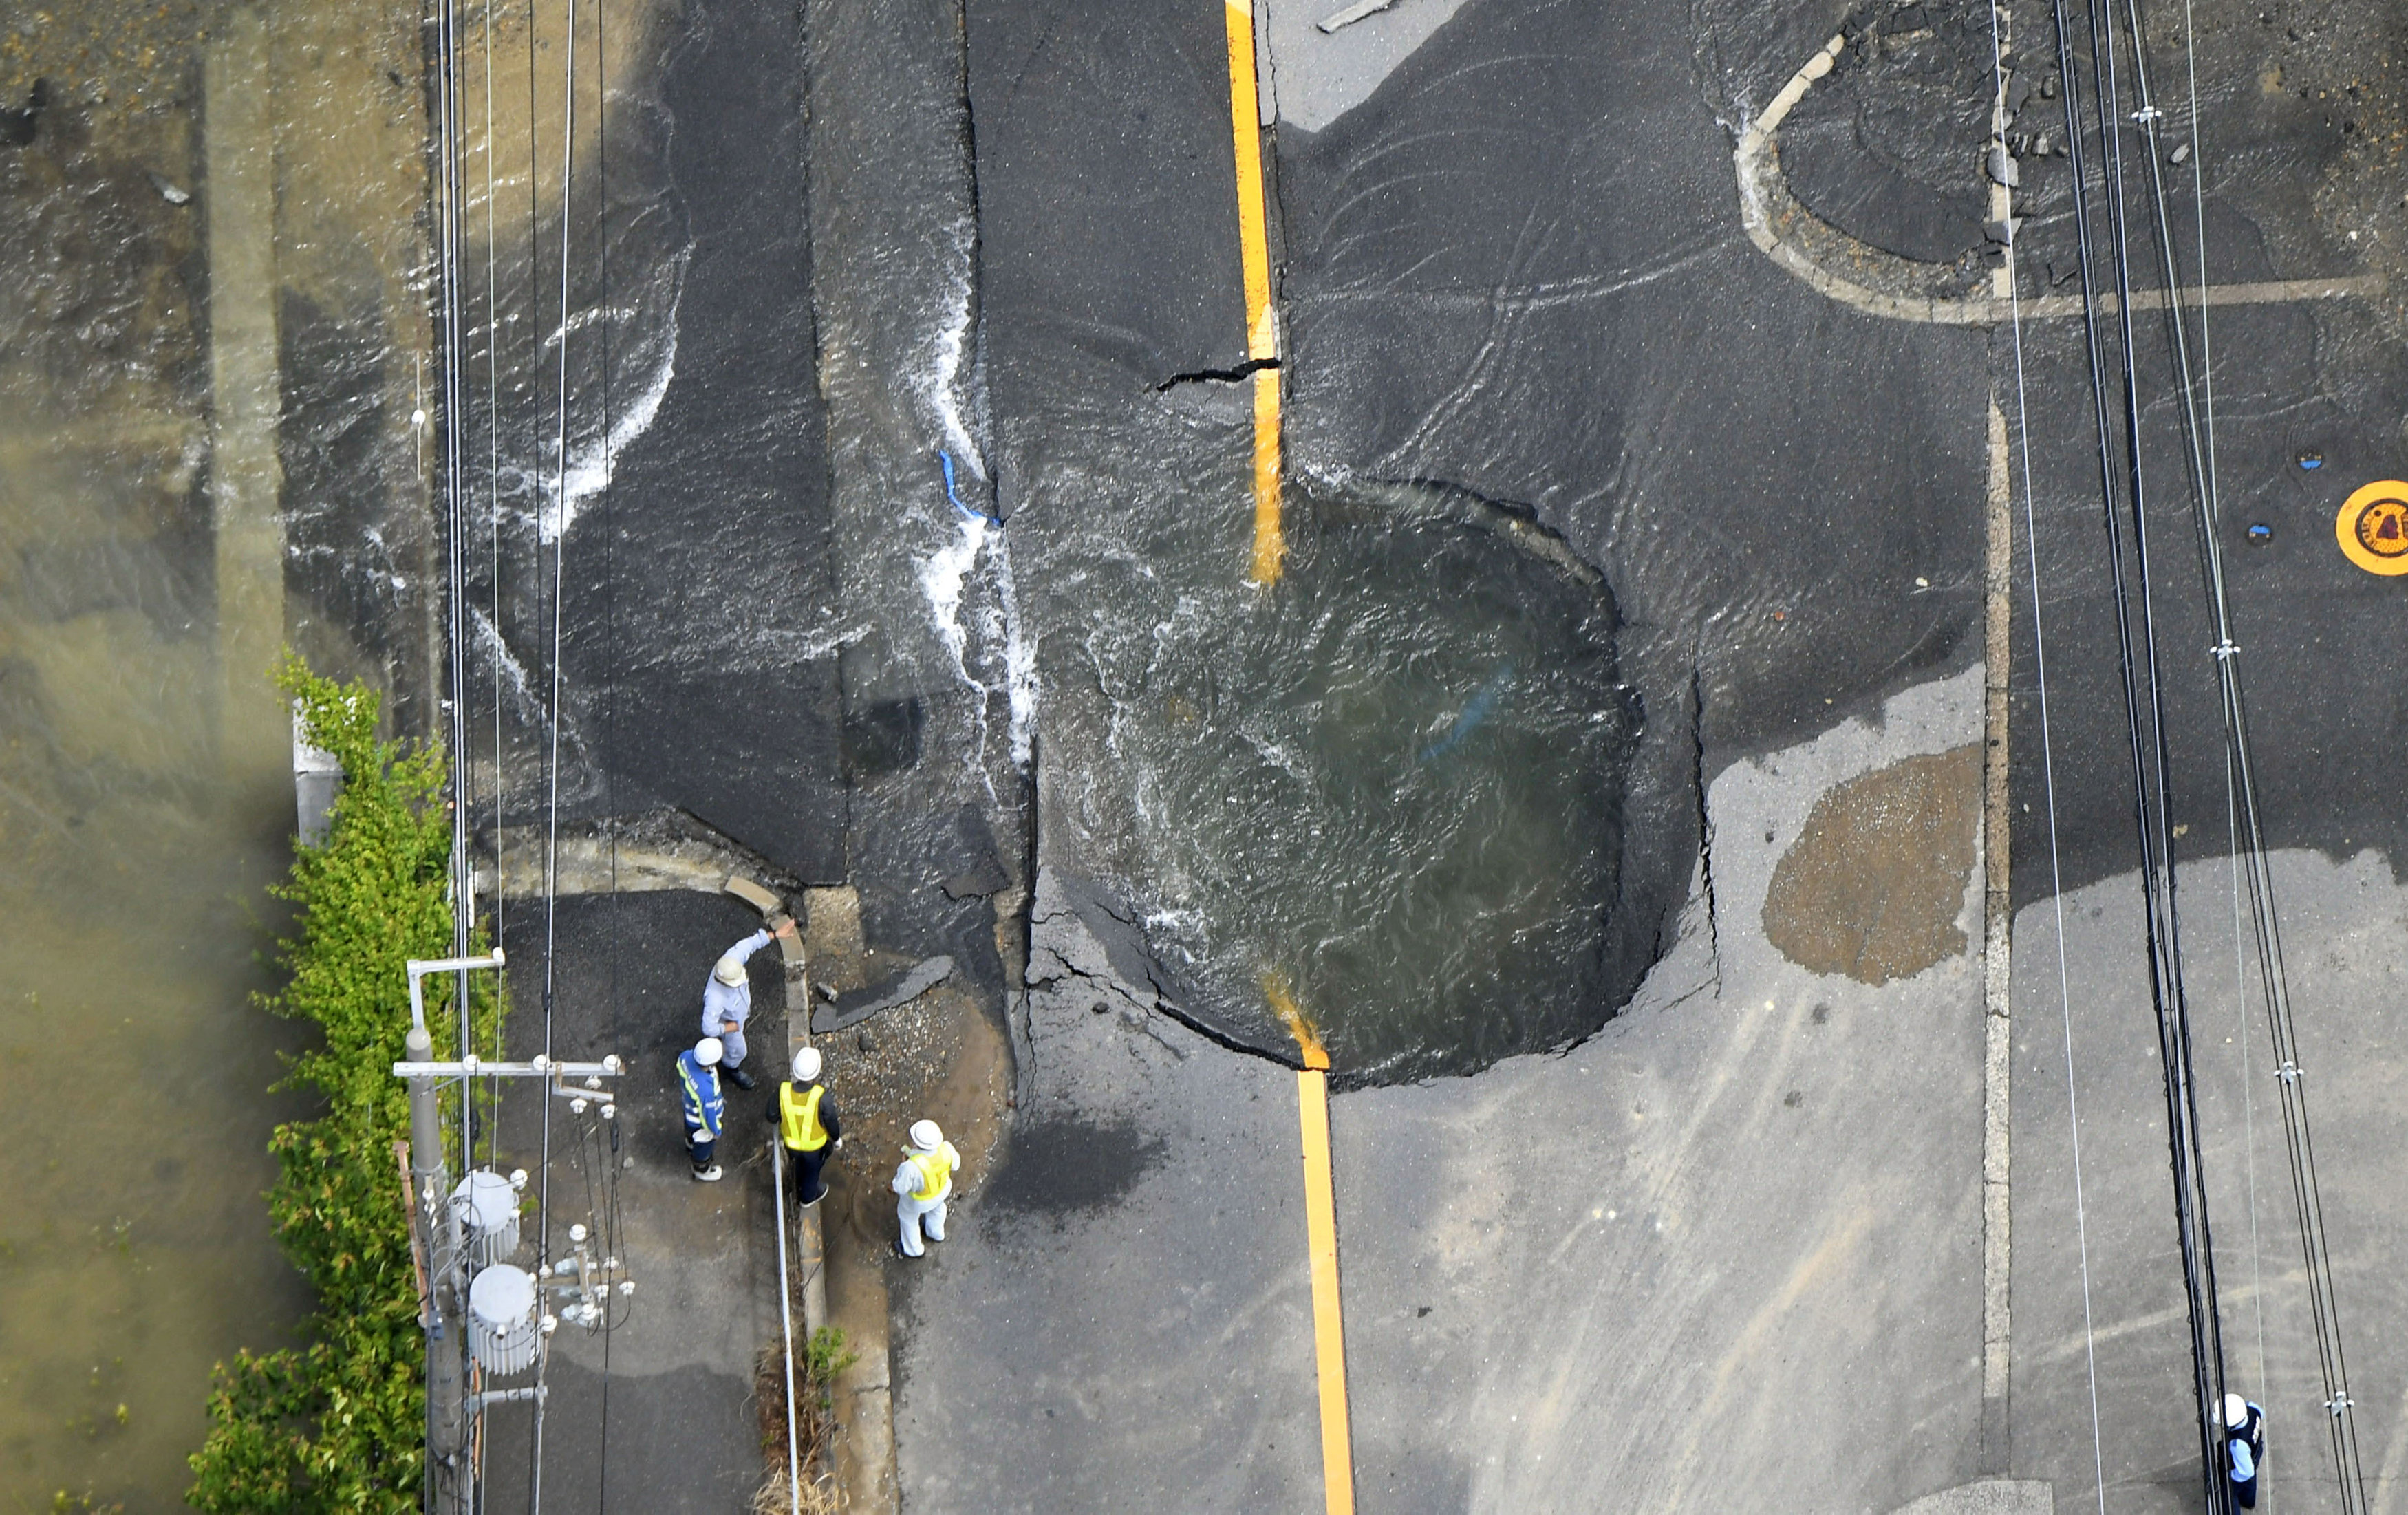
{"x": 552, "y": 804}
{"x": 2048, "y": 786}
{"x": 2273, "y": 978}
{"x": 451, "y": 211}
{"x": 2147, "y": 733}
{"x": 610, "y": 528}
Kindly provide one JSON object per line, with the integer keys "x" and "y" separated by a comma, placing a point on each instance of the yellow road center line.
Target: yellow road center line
{"x": 1291, "y": 1015}
{"x": 1245, "y": 124}
{"x": 1270, "y": 540}
{"x": 1321, "y": 1247}
{"x": 1262, "y": 328}
{"x": 1328, "y": 1324}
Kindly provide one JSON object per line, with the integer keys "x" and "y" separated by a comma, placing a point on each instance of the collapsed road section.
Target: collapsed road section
{"x": 1387, "y": 658}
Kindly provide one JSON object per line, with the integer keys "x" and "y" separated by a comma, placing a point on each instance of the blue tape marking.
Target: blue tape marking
{"x": 947, "y": 459}
{"x": 1474, "y": 714}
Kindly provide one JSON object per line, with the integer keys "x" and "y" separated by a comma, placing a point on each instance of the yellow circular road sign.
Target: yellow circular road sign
{"x": 2374, "y": 527}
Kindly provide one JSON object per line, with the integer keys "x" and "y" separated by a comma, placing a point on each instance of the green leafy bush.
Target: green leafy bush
{"x": 824, "y": 1357}
{"x": 340, "y": 1424}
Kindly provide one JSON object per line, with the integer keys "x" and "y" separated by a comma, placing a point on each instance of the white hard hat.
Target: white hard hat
{"x": 926, "y": 1137}
{"x": 2236, "y": 1412}
{"x": 707, "y": 1052}
{"x": 807, "y": 1064}
{"x": 730, "y": 970}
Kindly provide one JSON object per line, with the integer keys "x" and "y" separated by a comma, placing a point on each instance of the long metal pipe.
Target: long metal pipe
{"x": 447, "y": 1483}
{"x": 421, "y": 966}
{"x": 474, "y": 1067}
{"x": 786, "y": 1325}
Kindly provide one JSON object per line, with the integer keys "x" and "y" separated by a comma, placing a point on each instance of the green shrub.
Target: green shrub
{"x": 824, "y": 1354}
{"x": 340, "y": 1424}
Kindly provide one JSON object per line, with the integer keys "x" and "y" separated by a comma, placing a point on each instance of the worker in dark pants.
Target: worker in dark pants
{"x": 2245, "y": 1448}
{"x": 702, "y": 1105}
{"x": 804, "y": 1113}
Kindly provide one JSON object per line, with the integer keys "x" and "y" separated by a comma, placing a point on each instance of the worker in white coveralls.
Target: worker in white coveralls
{"x": 921, "y": 1184}
{"x": 727, "y": 1001}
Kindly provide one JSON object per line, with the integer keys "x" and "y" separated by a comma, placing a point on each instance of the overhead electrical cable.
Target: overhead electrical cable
{"x": 2273, "y": 978}
{"x": 608, "y": 1214}
{"x": 552, "y": 765}
{"x": 493, "y": 515}
{"x": 454, "y": 696}
{"x": 450, "y": 392}
{"x": 2148, "y": 749}
{"x": 2048, "y": 791}
{"x": 2188, "y": 1161}
{"x": 2231, "y": 779}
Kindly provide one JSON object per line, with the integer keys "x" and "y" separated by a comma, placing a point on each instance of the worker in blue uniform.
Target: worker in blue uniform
{"x": 702, "y": 1105}
{"x": 2245, "y": 1448}
{"x": 727, "y": 1000}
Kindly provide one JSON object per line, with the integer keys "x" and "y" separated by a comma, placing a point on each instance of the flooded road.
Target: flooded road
{"x": 1385, "y": 794}
{"x": 134, "y": 1242}
{"x": 178, "y": 499}
{"x": 134, "y": 1249}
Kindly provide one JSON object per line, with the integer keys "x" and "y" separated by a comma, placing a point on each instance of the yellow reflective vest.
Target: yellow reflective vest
{"x": 798, "y": 1120}
{"x": 936, "y": 1171}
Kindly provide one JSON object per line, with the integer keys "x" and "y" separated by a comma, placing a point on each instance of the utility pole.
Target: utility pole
{"x": 453, "y": 1261}
{"x": 449, "y": 1479}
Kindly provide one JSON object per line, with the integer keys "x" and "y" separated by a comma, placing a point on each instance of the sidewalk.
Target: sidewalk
{"x": 657, "y": 1416}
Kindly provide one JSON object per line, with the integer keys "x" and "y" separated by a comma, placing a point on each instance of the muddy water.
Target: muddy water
{"x": 1388, "y": 793}
{"x": 133, "y": 1243}
{"x": 160, "y": 537}
{"x": 1385, "y": 796}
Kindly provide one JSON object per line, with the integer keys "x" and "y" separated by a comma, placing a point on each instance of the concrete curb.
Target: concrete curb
{"x": 811, "y": 1255}
{"x": 1787, "y": 232}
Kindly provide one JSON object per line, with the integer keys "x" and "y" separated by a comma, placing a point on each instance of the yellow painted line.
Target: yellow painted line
{"x": 1262, "y": 326}
{"x": 1321, "y": 1247}
{"x": 1291, "y": 1015}
{"x": 1245, "y": 124}
{"x": 1328, "y": 1324}
{"x": 1270, "y": 540}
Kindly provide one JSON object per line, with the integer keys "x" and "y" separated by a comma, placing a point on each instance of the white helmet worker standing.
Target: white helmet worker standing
{"x": 702, "y": 1105}
{"x": 2243, "y": 1425}
{"x": 922, "y": 1185}
{"x": 804, "y": 1113}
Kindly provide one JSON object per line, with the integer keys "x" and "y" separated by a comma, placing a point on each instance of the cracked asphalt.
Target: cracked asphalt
{"x": 1638, "y": 776}
{"x": 1509, "y": 263}
{"x": 1619, "y": 1260}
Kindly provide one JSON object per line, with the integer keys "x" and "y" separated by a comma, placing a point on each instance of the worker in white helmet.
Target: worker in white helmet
{"x": 922, "y": 1185}
{"x": 804, "y": 1113}
{"x": 2244, "y": 1426}
{"x": 727, "y": 1000}
{"x": 701, "y": 1103}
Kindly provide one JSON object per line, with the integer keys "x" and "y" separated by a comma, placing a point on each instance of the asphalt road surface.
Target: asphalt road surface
{"x": 1609, "y": 976}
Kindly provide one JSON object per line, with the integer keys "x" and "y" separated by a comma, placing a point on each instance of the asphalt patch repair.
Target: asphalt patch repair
{"x": 1875, "y": 884}
{"x": 1063, "y": 1166}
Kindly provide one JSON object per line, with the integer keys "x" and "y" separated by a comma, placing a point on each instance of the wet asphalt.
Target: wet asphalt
{"x": 1510, "y": 264}
{"x": 1510, "y": 270}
